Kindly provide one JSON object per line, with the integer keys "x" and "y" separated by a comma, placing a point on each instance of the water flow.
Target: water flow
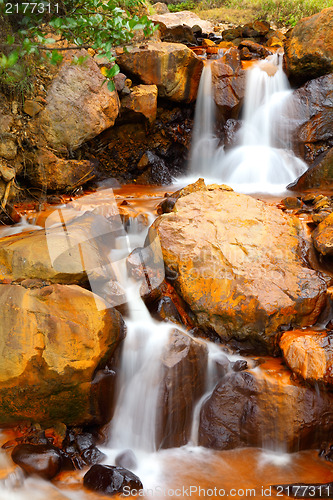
{"x": 134, "y": 422}
{"x": 264, "y": 161}
{"x": 204, "y": 141}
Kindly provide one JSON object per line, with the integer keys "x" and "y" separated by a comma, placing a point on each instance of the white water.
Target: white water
{"x": 264, "y": 161}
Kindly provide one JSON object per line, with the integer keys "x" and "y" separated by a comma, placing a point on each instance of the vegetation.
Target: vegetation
{"x": 281, "y": 12}
{"x": 97, "y": 24}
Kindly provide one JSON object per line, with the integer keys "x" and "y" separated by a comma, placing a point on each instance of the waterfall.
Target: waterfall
{"x": 264, "y": 161}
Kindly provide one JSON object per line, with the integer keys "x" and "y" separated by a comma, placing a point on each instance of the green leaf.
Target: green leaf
{"x": 111, "y": 86}
{"x": 10, "y": 39}
{"x": 56, "y": 57}
{"x": 12, "y": 59}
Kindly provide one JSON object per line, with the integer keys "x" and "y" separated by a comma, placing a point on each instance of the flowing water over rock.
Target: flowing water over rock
{"x": 263, "y": 161}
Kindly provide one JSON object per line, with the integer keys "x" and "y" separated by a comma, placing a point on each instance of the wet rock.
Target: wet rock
{"x": 309, "y": 354}
{"x": 110, "y": 480}
{"x": 184, "y": 363}
{"x": 59, "y": 255}
{"x": 267, "y": 409}
{"x": 239, "y": 365}
{"x": 92, "y": 455}
{"x": 255, "y": 48}
{"x": 320, "y": 175}
{"x": 57, "y": 338}
{"x": 230, "y": 130}
{"x": 42, "y": 460}
{"x": 51, "y": 173}
{"x": 78, "y": 106}
{"x": 167, "y": 205}
{"x": 167, "y": 311}
{"x": 156, "y": 174}
{"x": 323, "y": 236}
{"x": 172, "y": 67}
{"x": 142, "y": 101}
{"x": 308, "y": 50}
{"x": 291, "y": 202}
{"x": 127, "y": 459}
{"x": 228, "y": 80}
{"x": 238, "y": 268}
{"x": 223, "y": 365}
{"x": 119, "y": 81}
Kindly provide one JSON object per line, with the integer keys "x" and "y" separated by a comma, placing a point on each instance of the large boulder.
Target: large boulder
{"x": 312, "y": 127}
{"x": 78, "y": 106}
{"x": 309, "y": 49}
{"x": 266, "y": 408}
{"x": 237, "y": 265}
{"x": 51, "y": 173}
{"x": 228, "y": 81}
{"x": 56, "y": 342}
{"x": 184, "y": 365}
{"x": 173, "y": 67}
{"x": 319, "y": 175}
{"x": 68, "y": 253}
{"x": 185, "y": 17}
{"x": 309, "y": 354}
{"x": 323, "y": 236}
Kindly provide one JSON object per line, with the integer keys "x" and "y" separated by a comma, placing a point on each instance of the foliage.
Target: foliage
{"x": 283, "y": 12}
{"x": 187, "y": 5}
{"x": 99, "y": 24}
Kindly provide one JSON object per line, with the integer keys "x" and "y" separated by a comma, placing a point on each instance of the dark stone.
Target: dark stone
{"x": 92, "y": 455}
{"x": 84, "y": 441}
{"x": 119, "y": 81}
{"x": 239, "y": 365}
{"x": 110, "y": 480}
{"x": 126, "y": 459}
{"x": 167, "y": 311}
{"x": 291, "y": 202}
{"x": 230, "y": 130}
{"x": 41, "y": 459}
{"x": 166, "y": 206}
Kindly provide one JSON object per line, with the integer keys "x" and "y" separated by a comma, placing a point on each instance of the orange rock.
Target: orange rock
{"x": 323, "y": 236}
{"x": 309, "y": 48}
{"x": 173, "y": 67}
{"x": 309, "y": 354}
{"x": 208, "y": 43}
{"x": 238, "y": 265}
{"x": 142, "y": 100}
{"x": 54, "y": 342}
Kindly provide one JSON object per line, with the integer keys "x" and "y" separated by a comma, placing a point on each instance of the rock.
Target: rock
{"x": 309, "y": 354}
{"x": 323, "y": 236}
{"x": 255, "y": 48}
{"x": 238, "y": 266}
{"x": 309, "y": 50}
{"x": 43, "y": 459}
{"x": 71, "y": 255}
{"x": 7, "y": 173}
{"x": 184, "y": 364}
{"x": 319, "y": 176}
{"x": 265, "y": 409}
{"x": 173, "y": 67}
{"x": 110, "y": 480}
{"x": 8, "y": 146}
{"x": 177, "y": 34}
{"x": 291, "y": 202}
{"x": 78, "y": 107}
{"x": 186, "y": 17}
{"x": 160, "y": 8}
{"x": 32, "y": 108}
{"x": 119, "y": 81}
{"x": 228, "y": 80}
{"x": 51, "y": 173}
{"x": 142, "y": 101}
{"x": 6, "y": 122}
{"x": 92, "y": 456}
{"x": 156, "y": 172}
{"x": 312, "y": 106}
{"x": 54, "y": 340}
{"x": 168, "y": 311}
{"x": 127, "y": 459}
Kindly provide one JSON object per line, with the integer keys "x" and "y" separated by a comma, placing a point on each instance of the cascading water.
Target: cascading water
{"x": 263, "y": 161}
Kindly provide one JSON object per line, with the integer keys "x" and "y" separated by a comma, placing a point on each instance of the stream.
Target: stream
{"x": 190, "y": 470}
